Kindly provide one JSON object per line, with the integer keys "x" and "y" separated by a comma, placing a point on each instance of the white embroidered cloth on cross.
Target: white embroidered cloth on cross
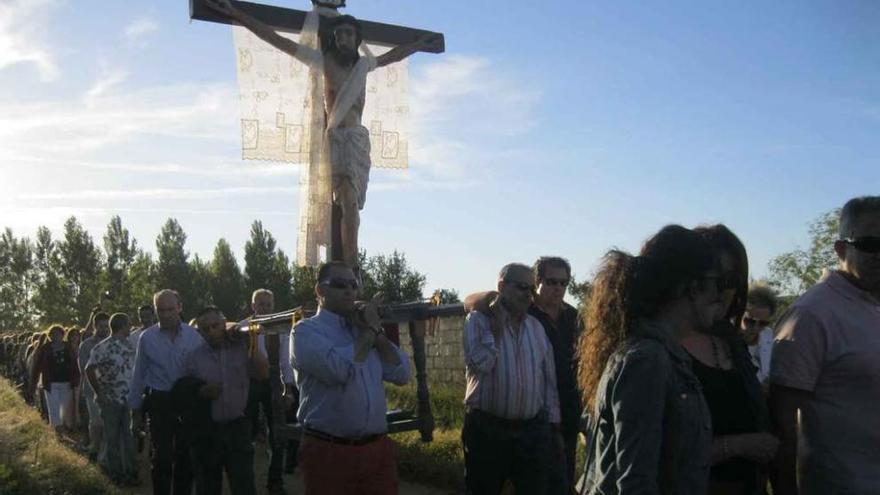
{"x": 283, "y": 119}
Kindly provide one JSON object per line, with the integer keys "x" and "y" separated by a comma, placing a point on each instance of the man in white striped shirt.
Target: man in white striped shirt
{"x": 512, "y": 400}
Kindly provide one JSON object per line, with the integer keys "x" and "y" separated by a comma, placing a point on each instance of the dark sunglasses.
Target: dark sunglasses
{"x": 748, "y": 320}
{"x": 559, "y": 282}
{"x": 864, "y": 244}
{"x": 520, "y": 285}
{"x": 724, "y": 282}
{"x": 341, "y": 283}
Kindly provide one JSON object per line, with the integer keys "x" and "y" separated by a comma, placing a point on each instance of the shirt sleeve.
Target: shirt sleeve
{"x": 138, "y": 378}
{"x": 480, "y": 352}
{"x": 400, "y": 374}
{"x": 284, "y": 358}
{"x": 637, "y": 400}
{"x": 799, "y": 350}
{"x": 316, "y": 355}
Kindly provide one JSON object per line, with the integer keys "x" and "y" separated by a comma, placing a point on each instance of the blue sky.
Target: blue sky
{"x": 545, "y": 129}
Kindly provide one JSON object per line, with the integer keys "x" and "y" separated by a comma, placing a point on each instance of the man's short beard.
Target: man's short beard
{"x": 344, "y": 57}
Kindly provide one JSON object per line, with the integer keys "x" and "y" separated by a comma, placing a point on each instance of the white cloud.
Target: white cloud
{"x": 198, "y": 193}
{"x": 464, "y": 110}
{"x": 140, "y": 28}
{"x": 23, "y": 24}
{"x": 109, "y": 79}
{"x": 210, "y": 166}
{"x": 102, "y": 119}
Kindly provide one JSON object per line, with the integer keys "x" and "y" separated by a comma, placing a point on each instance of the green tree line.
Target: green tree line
{"x": 46, "y": 280}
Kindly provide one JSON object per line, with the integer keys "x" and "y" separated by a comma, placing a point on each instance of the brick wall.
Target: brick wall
{"x": 444, "y": 354}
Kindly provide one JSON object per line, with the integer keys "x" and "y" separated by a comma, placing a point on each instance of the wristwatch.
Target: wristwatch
{"x": 378, "y": 331}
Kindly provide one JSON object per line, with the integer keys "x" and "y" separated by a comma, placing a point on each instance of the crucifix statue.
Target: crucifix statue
{"x": 338, "y": 144}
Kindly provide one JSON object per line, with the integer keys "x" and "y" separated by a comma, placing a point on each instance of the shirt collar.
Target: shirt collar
{"x": 324, "y": 313}
{"x": 846, "y": 288}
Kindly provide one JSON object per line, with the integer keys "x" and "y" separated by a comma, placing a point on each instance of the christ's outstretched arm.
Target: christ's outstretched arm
{"x": 262, "y": 31}
{"x": 399, "y": 53}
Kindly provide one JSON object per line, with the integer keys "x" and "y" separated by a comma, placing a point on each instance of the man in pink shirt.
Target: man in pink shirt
{"x": 826, "y": 367}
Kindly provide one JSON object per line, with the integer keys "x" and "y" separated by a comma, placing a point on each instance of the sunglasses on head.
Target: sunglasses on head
{"x": 341, "y": 283}
{"x": 524, "y": 287}
{"x": 559, "y": 282}
{"x": 748, "y": 320}
{"x": 868, "y": 244}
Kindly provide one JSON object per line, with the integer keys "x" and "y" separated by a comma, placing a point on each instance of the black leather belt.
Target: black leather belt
{"x": 507, "y": 424}
{"x": 320, "y": 435}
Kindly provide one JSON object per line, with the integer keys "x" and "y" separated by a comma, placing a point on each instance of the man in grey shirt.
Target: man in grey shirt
{"x": 101, "y": 322}
{"x": 223, "y": 364}
{"x": 825, "y": 367}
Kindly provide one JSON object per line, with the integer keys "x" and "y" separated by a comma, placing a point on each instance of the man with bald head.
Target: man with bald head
{"x": 162, "y": 353}
{"x": 512, "y": 399}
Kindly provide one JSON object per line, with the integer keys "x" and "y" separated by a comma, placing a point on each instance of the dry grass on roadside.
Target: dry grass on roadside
{"x": 33, "y": 460}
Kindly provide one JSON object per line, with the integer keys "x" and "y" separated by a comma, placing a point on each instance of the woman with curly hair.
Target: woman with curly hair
{"x": 650, "y": 429}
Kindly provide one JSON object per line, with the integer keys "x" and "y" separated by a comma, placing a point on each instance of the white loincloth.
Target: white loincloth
{"x": 350, "y": 158}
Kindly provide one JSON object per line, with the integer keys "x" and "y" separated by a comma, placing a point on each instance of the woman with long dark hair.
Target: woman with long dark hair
{"x": 741, "y": 444}
{"x": 650, "y": 430}
{"x": 56, "y": 365}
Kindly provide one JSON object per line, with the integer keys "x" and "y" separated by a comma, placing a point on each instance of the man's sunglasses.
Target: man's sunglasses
{"x": 520, "y": 285}
{"x": 559, "y": 282}
{"x": 748, "y": 320}
{"x": 864, "y": 244}
{"x": 341, "y": 283}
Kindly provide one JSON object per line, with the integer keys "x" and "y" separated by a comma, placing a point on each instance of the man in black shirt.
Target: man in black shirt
{"x": 563, "y": 327}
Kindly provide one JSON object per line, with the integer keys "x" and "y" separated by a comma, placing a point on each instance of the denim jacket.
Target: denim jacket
{"x": 651, "y": 430}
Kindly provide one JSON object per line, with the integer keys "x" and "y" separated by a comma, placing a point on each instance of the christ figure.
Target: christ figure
{"x": 347, "y": 140}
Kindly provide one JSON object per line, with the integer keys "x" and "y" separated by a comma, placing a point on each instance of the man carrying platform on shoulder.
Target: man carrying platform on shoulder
{"x": 340, "y": 358}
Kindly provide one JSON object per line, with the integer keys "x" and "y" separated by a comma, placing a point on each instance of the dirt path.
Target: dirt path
{"x": 292, "y": 483}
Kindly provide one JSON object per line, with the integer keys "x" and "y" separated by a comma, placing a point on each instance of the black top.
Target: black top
{"x": 729, "y": 404}
{"x": 59, "y": 364}
{"x": 563, "y": 335}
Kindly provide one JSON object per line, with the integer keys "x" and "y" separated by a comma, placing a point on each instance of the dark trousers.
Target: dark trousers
{"x": 228, "y": 449}
{"x": 496, "y": 449}
{"x": 560, "y": 473}
{"x": 169, "y": 449}
{"x": 292, "y": 454}
{"x": 259, "y": 394}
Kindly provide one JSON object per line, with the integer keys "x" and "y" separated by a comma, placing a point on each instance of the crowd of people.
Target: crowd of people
{"x": 198, "y": 392}
{"x": 674, "y": 374}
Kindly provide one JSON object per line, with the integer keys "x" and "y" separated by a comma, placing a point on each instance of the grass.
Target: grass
{"x": 33, "y": 460}
{"x": 439, "y": 463}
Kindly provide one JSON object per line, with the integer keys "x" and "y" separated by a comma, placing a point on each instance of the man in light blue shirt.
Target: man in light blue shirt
{"x": 160, "y": 361}
{"x": 340, "y": 358}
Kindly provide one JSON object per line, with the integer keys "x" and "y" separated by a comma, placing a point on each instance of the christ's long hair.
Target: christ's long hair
{"x": 627, "y": 288}
{"x": 329, "y": 25}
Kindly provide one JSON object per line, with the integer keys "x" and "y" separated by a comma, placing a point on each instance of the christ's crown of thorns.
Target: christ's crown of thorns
{"x": 333, "y": 4}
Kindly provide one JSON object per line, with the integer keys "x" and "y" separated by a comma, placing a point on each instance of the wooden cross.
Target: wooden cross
{"x": 291, "y": 21}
